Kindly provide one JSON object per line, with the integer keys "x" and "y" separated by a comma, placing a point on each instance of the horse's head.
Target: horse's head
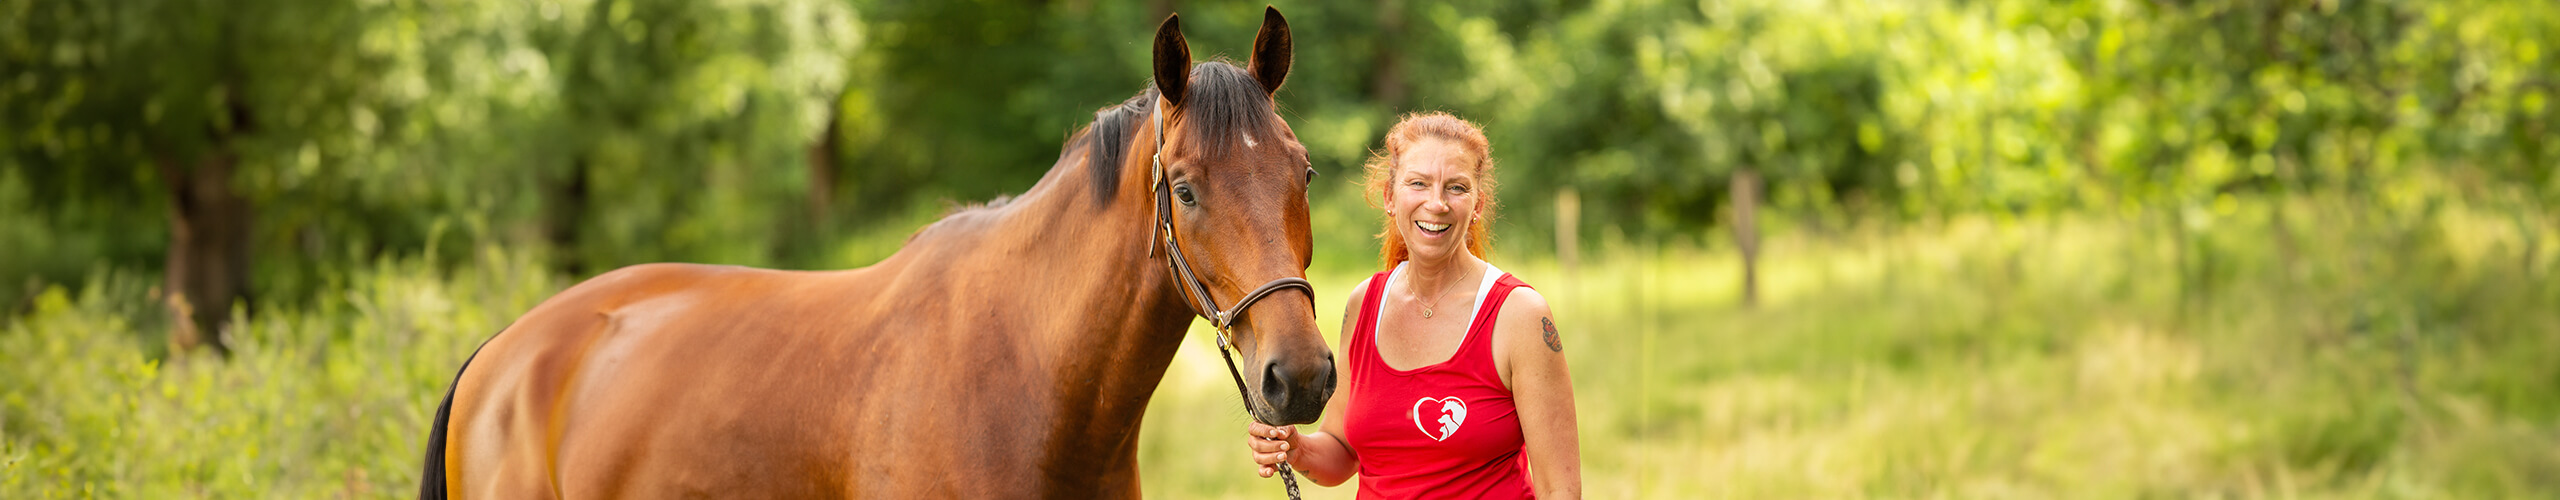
{"x": 1237, "y": 180}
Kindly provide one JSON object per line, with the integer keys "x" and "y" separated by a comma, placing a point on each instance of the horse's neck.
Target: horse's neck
{"x": 1115, "y": 315}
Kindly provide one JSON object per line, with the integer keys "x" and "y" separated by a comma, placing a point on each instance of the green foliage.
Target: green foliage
{"x": 330, "y": 399}
{"x": 623, "y": 131}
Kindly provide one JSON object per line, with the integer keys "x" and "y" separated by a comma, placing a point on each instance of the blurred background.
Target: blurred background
{"x": 1799, "y": 248}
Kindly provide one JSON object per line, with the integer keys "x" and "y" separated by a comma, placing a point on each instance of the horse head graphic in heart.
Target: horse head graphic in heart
{"x": 1452, "y": 412}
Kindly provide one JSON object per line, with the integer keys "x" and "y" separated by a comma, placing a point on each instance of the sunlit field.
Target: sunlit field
{"x": 2362, "y": 356}
{"x": 2354, "y": 354}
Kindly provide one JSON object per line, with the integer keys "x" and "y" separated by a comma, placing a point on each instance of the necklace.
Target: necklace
{"x": 1435, "y": 299}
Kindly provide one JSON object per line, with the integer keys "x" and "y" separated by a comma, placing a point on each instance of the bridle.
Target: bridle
{"x": 1196, "y": 294}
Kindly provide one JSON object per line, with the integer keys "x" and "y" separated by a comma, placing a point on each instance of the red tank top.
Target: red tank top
{"x": 1446, "y": 430}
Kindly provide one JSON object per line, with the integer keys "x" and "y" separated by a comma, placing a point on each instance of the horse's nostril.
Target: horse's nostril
{"x": 1324, "y": 379}
{"x": 1275, "y": 388}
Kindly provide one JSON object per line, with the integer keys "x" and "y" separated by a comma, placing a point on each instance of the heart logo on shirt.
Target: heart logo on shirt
{"x": 1447, "y": 413}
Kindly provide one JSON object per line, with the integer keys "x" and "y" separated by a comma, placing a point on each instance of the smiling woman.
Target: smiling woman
{"x": 1442, "y": 137}
{"x": 1436, "y": 404}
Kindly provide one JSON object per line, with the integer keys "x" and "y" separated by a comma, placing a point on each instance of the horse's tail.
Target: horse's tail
{"x": 431, "y": 484}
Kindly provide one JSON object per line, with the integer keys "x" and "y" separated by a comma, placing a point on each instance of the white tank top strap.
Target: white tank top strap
{"x": 1380, "y": 308}
{"x": 1491, "y": 274}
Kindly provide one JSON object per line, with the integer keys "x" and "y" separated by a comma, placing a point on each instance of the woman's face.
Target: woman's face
{"x": 1432, "y": 198}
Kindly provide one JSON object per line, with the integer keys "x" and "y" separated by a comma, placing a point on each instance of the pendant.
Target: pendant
{"x": 1426, "y": 312}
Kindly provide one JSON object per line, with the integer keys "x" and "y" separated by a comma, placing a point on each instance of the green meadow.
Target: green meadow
{"x": 2356, "y": 356}
{"x": 2342, "y": 353}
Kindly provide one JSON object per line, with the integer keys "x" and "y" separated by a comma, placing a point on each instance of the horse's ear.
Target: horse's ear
{"x": 1271, "y": 51}
{"x": 1173, "y": 59}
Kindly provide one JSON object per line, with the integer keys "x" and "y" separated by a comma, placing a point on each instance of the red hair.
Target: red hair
{"x": 1413, "y": 130}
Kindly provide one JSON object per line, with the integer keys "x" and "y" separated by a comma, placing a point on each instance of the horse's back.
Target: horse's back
{"x": 593, "y": 391}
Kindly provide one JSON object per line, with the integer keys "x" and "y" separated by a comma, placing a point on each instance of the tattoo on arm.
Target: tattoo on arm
{"x": 1553, "y": 343}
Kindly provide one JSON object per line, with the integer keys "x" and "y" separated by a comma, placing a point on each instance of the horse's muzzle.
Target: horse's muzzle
{"x": 1296, "y": 388}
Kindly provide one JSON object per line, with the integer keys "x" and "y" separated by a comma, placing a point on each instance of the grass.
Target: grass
{"x": 2363, "y": 352}
{"x": 2070, "y": 357}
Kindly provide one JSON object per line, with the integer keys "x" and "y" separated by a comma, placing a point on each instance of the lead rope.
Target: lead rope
{"x": 1206, "y": 306}
{"x": 1287, "y": 477}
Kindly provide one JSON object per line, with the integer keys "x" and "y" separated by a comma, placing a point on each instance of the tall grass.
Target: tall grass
{"x": 2352, "y": 354}
{"x": 2349, "y": 351}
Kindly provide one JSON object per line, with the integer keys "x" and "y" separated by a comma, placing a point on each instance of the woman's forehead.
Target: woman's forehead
{"x": 1437, "y": 158}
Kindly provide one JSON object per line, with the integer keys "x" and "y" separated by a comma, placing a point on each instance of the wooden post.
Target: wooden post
{"x": 1568, "y": 231}
{"x": 1746, "y": 231}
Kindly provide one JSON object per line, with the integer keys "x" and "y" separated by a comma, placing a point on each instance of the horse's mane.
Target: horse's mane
{"x": 1222, "y": 104}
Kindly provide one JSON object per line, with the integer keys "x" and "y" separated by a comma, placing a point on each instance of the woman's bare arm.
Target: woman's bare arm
{"x": 1542, "y": 389}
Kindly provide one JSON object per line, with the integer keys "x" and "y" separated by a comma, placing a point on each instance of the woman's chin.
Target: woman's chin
{"x": 1423, "y": 250}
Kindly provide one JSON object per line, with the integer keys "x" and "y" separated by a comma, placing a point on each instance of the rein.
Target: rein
{"x": 1196, "y": 294}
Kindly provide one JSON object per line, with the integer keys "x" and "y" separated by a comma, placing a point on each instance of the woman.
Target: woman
{"x": 1456, "y": 381}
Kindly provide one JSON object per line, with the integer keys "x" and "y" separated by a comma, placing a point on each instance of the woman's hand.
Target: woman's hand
{"x": 1271, "y": 445}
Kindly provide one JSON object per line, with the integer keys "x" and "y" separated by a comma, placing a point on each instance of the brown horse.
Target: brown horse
{"x": 1006, "y": 351}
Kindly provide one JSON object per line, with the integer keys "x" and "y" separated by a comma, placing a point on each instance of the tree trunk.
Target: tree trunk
{"x": 823, "y": 154}
{"x": 207, "y": 267}
{"x": 564, "y": 207}
{"x": 208, "y": 256}
{"x": 1746, "y": 231}
{"x": 1388, "y": 77}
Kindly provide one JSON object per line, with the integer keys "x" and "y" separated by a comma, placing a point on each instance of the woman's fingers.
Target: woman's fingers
{"x": 1256, "y": 429}
{"x": 1267, "y": 439}
{"x": 1263, "y": 445}
{"x": 1270, "y": 445}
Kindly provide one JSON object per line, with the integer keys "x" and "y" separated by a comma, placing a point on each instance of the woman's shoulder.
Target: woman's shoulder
{"x": 1524, "y": 313}
{"x": 1360, "y": 292}
{"x": 1358, "y": 301}
{"x": 1524, "y": 301}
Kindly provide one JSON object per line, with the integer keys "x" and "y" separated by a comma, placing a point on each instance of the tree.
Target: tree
{"x": 193, "y": 107}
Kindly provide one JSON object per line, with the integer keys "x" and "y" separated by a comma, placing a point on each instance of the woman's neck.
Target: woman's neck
{"x": 1428, "y": 278}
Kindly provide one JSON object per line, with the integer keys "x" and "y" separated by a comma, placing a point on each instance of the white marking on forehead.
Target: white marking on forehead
{"x": 1248, "y": 139}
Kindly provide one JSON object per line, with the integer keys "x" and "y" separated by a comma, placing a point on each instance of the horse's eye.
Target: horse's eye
{"x": 1311, "y": 174}
{"x": 1183, "y": 193}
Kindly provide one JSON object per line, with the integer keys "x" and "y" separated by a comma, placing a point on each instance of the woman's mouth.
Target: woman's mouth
{"x": 1430, "y": 228}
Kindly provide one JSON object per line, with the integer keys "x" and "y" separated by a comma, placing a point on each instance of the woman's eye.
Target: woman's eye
{"x": 1458, "y": 189}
